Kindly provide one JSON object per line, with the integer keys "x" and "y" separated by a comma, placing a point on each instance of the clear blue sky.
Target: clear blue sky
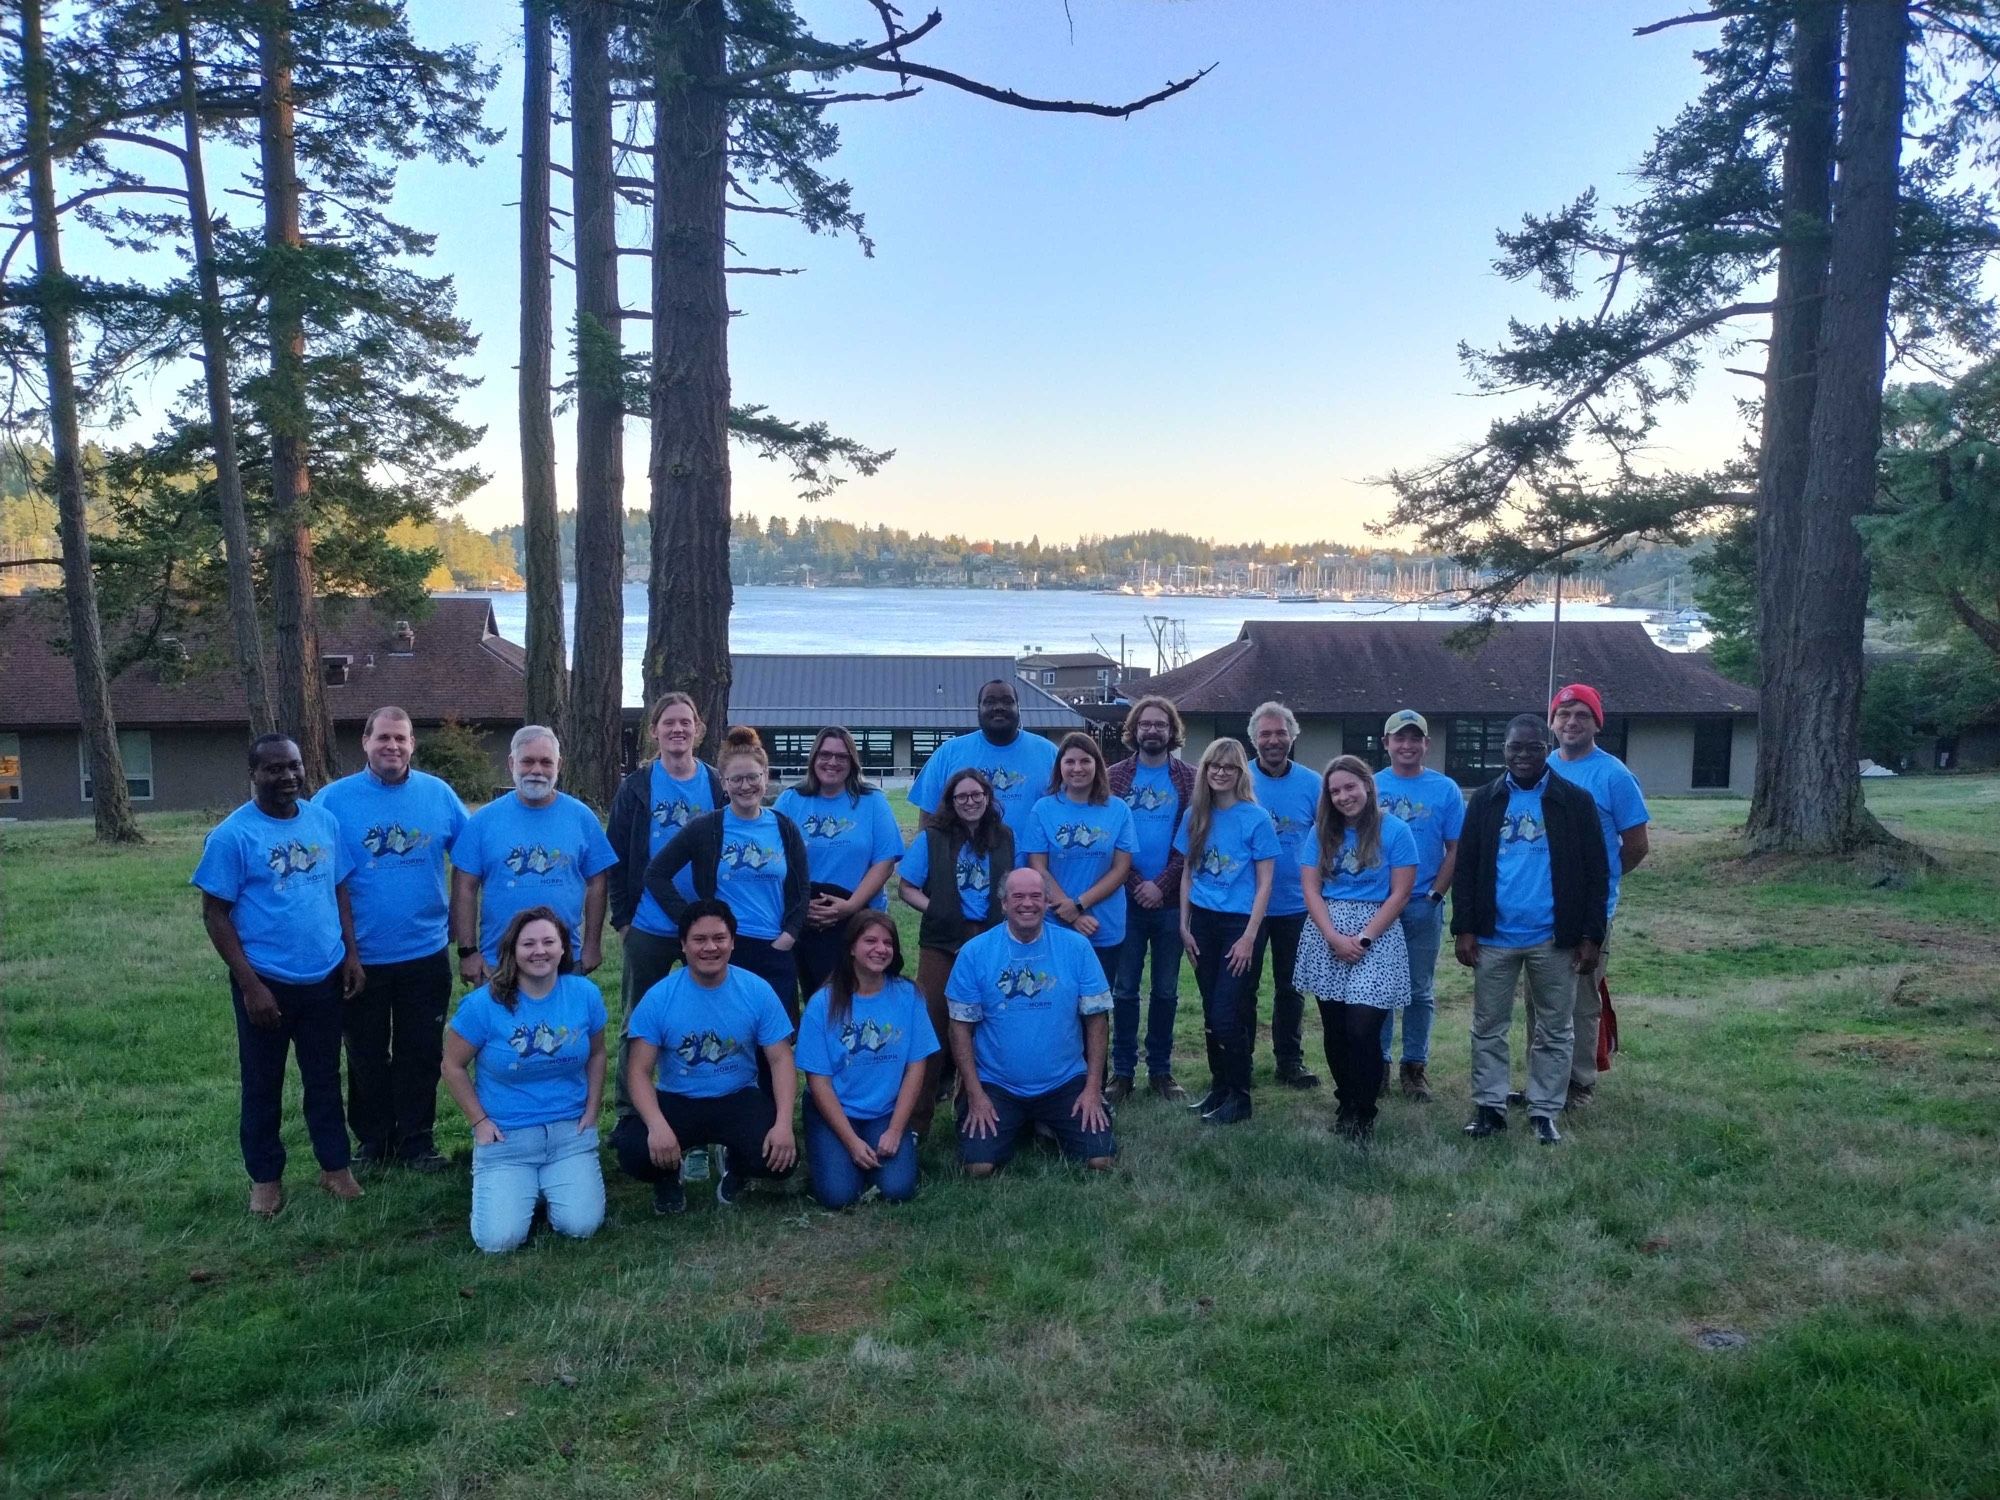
{"x": 1222, "y": 315}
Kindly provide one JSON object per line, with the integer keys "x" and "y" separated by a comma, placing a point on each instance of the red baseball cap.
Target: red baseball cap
{"x": 1578, "y": 692}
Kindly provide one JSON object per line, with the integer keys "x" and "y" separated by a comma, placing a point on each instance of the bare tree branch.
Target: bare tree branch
{"x": 835, "y": 59}
{"x": 1024, "y": 101}
{"x": 1687, "y": 20}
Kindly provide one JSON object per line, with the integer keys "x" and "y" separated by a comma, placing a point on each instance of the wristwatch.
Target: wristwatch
{"x": 1437, "y": 898}
{"x": 466, "y": 950}
{"x": 1367, "y": 942}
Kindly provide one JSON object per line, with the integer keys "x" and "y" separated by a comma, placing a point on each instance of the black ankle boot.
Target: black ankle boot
{"x": 1217, "y": 1089}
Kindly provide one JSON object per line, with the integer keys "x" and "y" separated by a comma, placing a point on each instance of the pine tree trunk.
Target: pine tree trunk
{"x": 597, "y": 682}
{"x": 688, "y": 590}
{"x": 1822, "y": 811}
{"x": 1790, "y": 387}
{"x": 302, "y": 708}
{"x": 548, "y": 674}
{"x": 221, "y": 415}
{"x": 111, "y": 803}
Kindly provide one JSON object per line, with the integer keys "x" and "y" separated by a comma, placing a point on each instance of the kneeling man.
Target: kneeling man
{"x": 1030, "y": 1018}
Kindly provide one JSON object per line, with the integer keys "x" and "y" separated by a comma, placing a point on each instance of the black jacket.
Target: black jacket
{"x": 943, "y": 925}
{"x": 630, "y": 832}
{"x": 1577, "y": 865}
{"x": 699, "y": 847}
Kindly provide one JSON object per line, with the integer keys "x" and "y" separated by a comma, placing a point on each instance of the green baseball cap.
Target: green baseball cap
{"x": 1406, "y": 718}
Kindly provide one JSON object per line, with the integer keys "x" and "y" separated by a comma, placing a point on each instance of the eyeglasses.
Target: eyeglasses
{"x": 748, "y": 778}
{"x": 968, "y": 796}
{"x": 833, "y": 755}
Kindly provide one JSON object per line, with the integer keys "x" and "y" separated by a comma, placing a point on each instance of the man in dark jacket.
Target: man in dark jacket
{"x": 1529, "y": 897}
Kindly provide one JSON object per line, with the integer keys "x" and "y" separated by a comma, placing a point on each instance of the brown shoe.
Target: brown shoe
{"x": 1167, "y": 1088}
{"x": 341, "y": 1184}
{"x": 1117, "y": 1091}
{"x": 1416, "y": 1083}
{"x": 267, "y": 1199}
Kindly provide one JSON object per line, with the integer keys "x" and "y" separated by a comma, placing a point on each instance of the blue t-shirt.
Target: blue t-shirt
{"x": 864, "y": 1056}
{"x": 280, "y": 873}
{"x": 975, "y": 896}
{"x": 1019, "y": 771}
{"x": 1025, "y": 1002}
{"x": 844, "y": 836}
{"x": 674, "y": 804}
{"x": 1346, "y": 879}
{"x": 1225, "y": 877}
{"x": 1156, "y": 812}
{"x": 1524, "y": 892}
{"x": 750, "y": 873}
{"x": 397, "y": 836}
{"x": 1292, "y": 800}
{"x": 1620, "y": 805}
{"x": 529, "y": 1066}
{"x": 1431, "y": 803}
{"x": 531, "y": 856}
{"x": 1081, "y": 839}
{"x": 708, "y": 1039}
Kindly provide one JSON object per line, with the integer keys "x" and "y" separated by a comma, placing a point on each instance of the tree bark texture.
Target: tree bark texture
{"x": 111, "y": 803}
{"x": 243, "y": 621}
{"x": 302, "y": 708}
{"x": 1822, "y": 811}
{"x": 1790, "y": 389}
{"x": 597, "y": 680}
{"x": 548, "y": 673}
{"x": 688, "y": 591}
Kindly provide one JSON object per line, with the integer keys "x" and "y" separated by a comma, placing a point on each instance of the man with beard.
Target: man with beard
{"x": 1018, "y": 766}
{"x": 1290, "y": 794}
{"x": 397, "y": 824}
{"x": 273, "y": 881}
{"x": 535, "y": 846}
{"x": 1156, "y": 784}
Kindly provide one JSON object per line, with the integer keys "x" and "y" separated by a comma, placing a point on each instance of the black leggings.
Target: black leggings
{"x": 1354, "y": 1054}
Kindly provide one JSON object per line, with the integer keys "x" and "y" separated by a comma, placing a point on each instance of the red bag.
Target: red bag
{"x": 1607, "y": 1028}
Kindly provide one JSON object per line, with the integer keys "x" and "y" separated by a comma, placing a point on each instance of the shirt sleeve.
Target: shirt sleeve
{"x": 963, "y": 992}
{"x": 597, "y": 1018}
{"x": 888, "y": 842}
{"x": 598, "y": 855}
{"x": 1263, "y": 836}
{"x": 1181, "y": 834}
{"x": 916, "y": 865}
{"x": 1628, "y": 803}
{"x": 812, "y": 1055}
{"x": 455, "y": 817}
{"x": 1399, "y": 845}
{"x": 470, "y": 1019}
{"x": 467, "y": 851}
{"x": 1034, "y": 835}
{"x": 343, "y": 856}
{"x": 773, "y": 1025}
{"x": 1093, "y": 995}
{"x": 647, "y": 1020}
{"x": 1451, "y": 815}
{"x": 924, "y": 790}
{"x": 1309, "y": 851}
{"x": 923, "y": 1036}
{"x": 220, "y": 870}
{"x": 1126, "y": 835}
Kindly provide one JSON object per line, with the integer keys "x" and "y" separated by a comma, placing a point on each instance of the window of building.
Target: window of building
{"x": 1363, "y": 737}
{"x": 790, "y": 747}
{"x": 877, "y": 747}
{"x": 1048, "y": 679}
{"x": 924, "y": 744}
{"x": 10, "y": 768}
{"x": 135, "y": 748}
{"x": 1711, "y": 753}
{"x": 1472, "y": 752}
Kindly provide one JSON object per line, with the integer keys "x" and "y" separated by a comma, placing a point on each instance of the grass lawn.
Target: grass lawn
{"x": 1766, "y": 1263}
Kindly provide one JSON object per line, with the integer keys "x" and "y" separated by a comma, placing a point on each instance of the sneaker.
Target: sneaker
{"x": 341, "y": 1184}
{"x": 694, "y": 1165}
{"x": 428, "y": 1160}
{"x": 1416, "y": 1083}
{"x": 1581, "y": 1096}
{"x": 1485, "y": 1121}
{"x": 1165, "y": 1086}
{"x": 267, "y": 1199}
{"x": 669, "y": 1196}
{"x": 729, "y": 1189}
{"x": 1118, "y": 1091}
{"x": 1357, "y": 1131}
{"x": 1298, "y": 1076}
{"x": 1516, "y": 1099}
{"x": 1545, "y": 1130}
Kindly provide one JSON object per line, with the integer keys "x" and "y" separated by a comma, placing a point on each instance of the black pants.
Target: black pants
{"x": 818, "y": 954}
{"x": 1288, "y": 1007}
{"x": 738, "y": 1121}
{"x": 649, "y": 958}
{"x": 779, "y": 970}
{"x": 1228, "y": 1000}
{"x": 311, "y": 1023}
{"x": 1354, "y": 1054}
{"x": 395, "y": 1041}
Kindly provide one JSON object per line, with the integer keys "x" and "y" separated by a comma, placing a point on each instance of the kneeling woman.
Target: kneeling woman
{"x": 533, "y": 1037}
{"x": 1357, "y": 870}
{"x": 862, "y": 1045}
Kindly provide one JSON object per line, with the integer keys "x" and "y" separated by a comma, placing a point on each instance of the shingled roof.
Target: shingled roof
{"x": 881, "y": 692}
{"x": 1375, "y": 666}
{"x": 459, "y": 668}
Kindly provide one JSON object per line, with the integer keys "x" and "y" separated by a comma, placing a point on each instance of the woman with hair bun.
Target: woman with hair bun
{"x": 750, "y": 858}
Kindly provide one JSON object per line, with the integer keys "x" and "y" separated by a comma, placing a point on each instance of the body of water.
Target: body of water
{"x": 975, "y": 622}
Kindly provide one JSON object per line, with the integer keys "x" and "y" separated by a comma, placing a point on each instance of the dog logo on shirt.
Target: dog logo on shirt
{"x": 1004, "y": 781}
{"x": 293, "y": 858}
{"x": 1215, "y": 862}
{"x": 746, "y": 856}
{"x": 1080, "y": 836}
{"x": 699, "y": 1047}
{"x": 1525, "y": 829}
{"x": 1023, "y": 982}
{"x": 675, "y": 813}
{"x": 535, "y": 859}
{"x": 539, "y": 1040}
{"x": 871, "y": 1036}
{"x": 973, "y": 875}
{"x": 393, "y": 838}
{"x": 1407, "y": 808}
{"x": 1350, "y": 861}
{"x": 1149, "y": 798}
{"x": 825, "y": 826}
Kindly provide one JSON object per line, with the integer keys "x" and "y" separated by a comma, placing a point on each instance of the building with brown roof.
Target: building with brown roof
{"x": 184, "y": 734}
{"x": 1680, "y": 725}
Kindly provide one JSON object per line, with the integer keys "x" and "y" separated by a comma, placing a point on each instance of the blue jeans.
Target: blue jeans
{"x": 554, "y": 1161}
{"x": 1014, "y": 1113}
{"x": 836, "y": 1182}
{"x": 310, "y": 1017}
{"x": 1159, "y": 932}
{"x": 1423, "y": 931}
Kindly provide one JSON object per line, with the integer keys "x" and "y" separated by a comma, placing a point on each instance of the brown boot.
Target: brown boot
{"x": 267, "y": 1199}
{"x": 1416, "y": 1083}
{"x": 1117, "y": 1091}
{"x": 341, "y": 1184}
{"x": 1165, "y": 1085}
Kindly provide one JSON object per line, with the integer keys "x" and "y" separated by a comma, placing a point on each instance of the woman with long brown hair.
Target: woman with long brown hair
{"x": 952, "y": 874}
{"x": 852, "y": 845}
{"x": 1082, "y": 840}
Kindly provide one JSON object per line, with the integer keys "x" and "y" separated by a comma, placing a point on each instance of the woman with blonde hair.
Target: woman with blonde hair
{"x": 1357, "y": 867}
{"x": 1231, "y": 849}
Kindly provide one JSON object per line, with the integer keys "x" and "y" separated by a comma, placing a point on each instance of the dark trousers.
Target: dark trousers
{"x": 738, "y": 1121}
{"x": 649, "y": 958}
{"x": 395, "y": 1041}
{"x": 1288, "y": 1008}
{"x": 1354, "y": 1054}
{"x": 933, "y": 974}
{"x": 818, "y": 954}
{"x": 1155, "y": 931}
{"x": 311, "y": 1022}
{"x": 779, "y": 970}
{"x": 1228, "y": 1001}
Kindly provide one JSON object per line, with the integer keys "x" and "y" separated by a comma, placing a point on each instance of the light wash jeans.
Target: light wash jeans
{"x": 1423, "y": 931}
{"x": 555, "y": 1161}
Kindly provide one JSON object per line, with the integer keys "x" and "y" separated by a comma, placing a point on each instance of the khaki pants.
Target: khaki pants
{"x": 1589, "y": 1012}
{"x": 1551, "y": 986}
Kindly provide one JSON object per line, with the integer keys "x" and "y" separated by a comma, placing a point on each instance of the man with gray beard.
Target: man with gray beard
{"x": 535, "y": 846}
